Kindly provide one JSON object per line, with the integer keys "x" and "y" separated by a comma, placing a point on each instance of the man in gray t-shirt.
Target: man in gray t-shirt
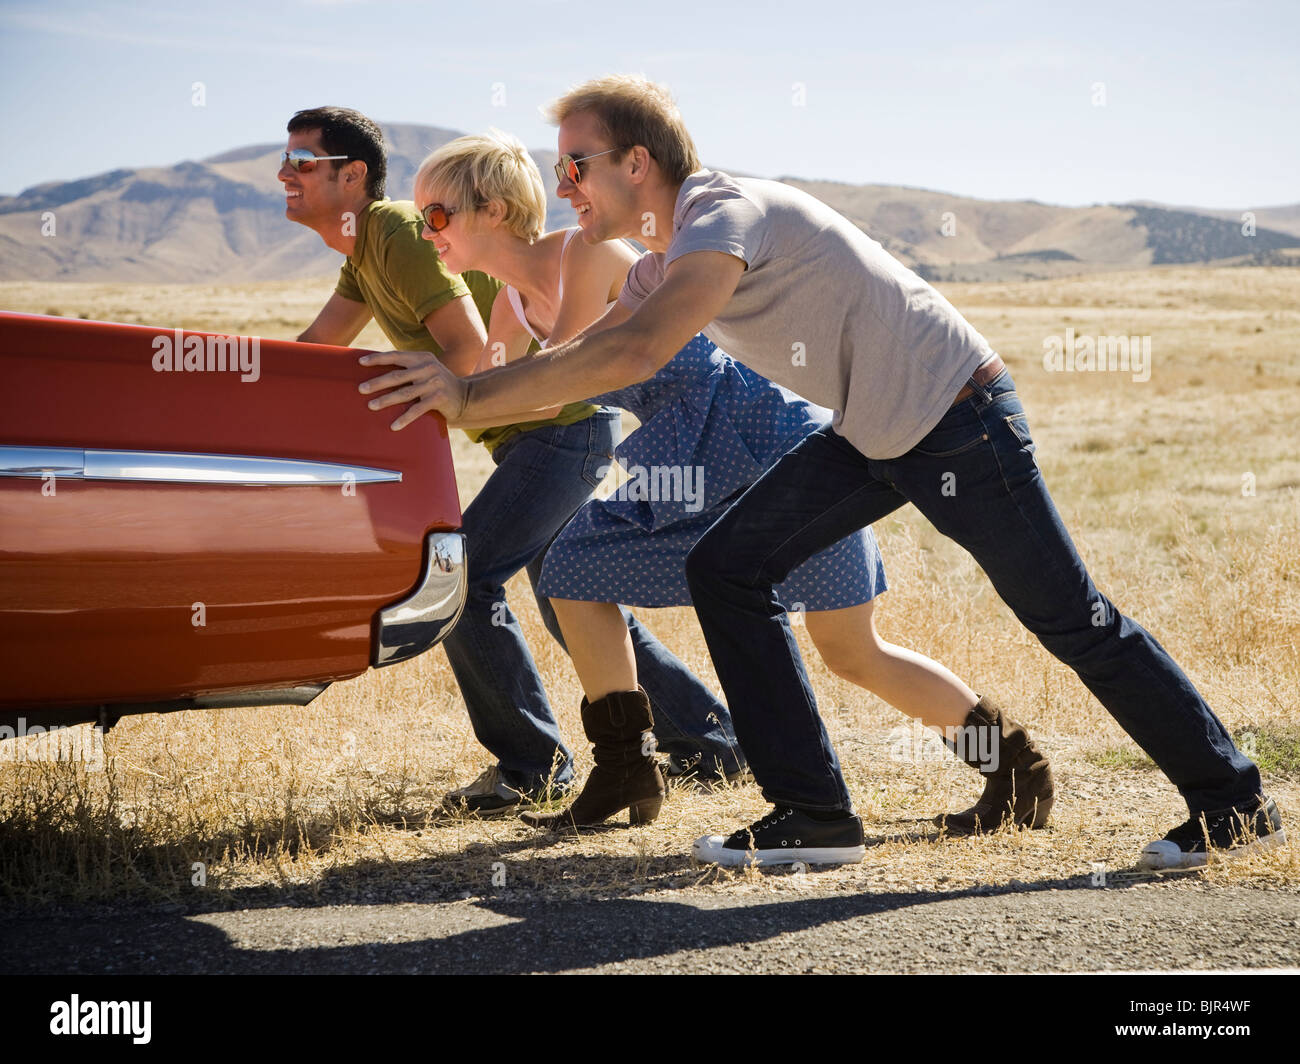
{"x": 822, "y": 308}
{"x": 925, "y": 414}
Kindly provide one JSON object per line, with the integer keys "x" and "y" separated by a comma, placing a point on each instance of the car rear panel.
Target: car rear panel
{"x": 136, "y": 590}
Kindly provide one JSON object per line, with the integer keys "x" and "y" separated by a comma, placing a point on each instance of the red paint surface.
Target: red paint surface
{"x": 98, "y": 581}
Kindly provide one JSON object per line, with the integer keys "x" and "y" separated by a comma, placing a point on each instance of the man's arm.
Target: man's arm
{"x": 694, "y": 291}
{"x": 514, "y": 341}
{"x": 458, "y": 331}
{"x": 338, "y": 323}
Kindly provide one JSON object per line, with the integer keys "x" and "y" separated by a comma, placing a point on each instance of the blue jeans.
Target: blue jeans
{"x": 975, "y": 479}
{"x": 542, "y": 477}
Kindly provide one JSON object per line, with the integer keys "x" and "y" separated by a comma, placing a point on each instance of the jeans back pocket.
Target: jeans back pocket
{"x": 959, "y": 430}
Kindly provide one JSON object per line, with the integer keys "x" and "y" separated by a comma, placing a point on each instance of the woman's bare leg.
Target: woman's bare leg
{"x": 1018, "y": 784}
{"x": 599, "y": 644}
{"x": 852, "y": 649}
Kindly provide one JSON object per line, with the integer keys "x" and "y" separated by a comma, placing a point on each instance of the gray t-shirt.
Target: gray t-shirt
{"x": 822, "y": 309}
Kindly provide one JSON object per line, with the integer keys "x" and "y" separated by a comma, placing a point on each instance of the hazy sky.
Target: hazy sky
{"x": 997, "y": 100}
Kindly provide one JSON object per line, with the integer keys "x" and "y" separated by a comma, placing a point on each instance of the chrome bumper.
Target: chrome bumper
{"x": 424, "y": 618}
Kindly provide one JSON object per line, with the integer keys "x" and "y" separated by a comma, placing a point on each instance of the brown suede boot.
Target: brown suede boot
{"x": 624, "y": 777}
{"x": 1019, "y": 787}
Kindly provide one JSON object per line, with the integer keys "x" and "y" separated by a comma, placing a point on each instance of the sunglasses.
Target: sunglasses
{"x": 302, "y": 159}
{"x": 437, "y": 217}
{"x": 567, "y": 167}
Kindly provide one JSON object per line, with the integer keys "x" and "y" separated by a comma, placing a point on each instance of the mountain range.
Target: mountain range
{"x": 221, "y": 219}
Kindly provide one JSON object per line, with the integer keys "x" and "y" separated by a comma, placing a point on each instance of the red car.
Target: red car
{"x": 190, "y": 520}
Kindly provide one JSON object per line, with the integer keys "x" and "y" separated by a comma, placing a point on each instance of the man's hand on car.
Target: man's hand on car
{"x": 422, "y": 381}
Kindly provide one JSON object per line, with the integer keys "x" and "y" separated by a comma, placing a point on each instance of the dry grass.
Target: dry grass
{"x": 341, "y": 798}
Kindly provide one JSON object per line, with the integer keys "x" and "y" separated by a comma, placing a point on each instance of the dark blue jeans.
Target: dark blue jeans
{"x": 975, "y": 479}
{"x": 540, "y": 480}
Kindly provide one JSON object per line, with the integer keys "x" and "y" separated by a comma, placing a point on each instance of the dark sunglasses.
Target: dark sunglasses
{"x": 302, "y": 159}
{"x": 567, "y": 167}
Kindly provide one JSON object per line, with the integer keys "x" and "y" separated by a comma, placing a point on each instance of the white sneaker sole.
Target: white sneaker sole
{"x": 1163, "y": 856}
{"x": 710, "y": 850}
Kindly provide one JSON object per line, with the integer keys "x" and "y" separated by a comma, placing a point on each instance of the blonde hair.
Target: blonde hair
{"x": 492, "y": 166}
{"x": 632, "y": 110}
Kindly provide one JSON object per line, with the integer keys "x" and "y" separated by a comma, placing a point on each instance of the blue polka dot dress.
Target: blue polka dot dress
{"x": 709, "y": 428}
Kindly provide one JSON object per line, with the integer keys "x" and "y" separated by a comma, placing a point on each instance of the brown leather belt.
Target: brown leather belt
{"x": 982, "y": 376}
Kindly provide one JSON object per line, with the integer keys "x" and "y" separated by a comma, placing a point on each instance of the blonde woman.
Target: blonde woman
{"x": 491, "y": 207}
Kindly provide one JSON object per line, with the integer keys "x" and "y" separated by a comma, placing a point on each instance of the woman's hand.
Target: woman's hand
{"x": 423, "y": 381}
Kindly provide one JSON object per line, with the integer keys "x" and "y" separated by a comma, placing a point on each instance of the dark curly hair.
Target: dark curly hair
{"x": 344, "y": 131}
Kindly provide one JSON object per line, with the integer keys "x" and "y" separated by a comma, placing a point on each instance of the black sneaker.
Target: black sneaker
{"x": 786, "y": 836}
{"x": 1231, "y": 832}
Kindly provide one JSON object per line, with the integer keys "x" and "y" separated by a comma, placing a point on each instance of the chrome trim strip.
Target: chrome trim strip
{"x": 181, "y": 468}
{"x": 225, "y": 469}
{"x": 424, "y": 617}
{"x": 42, "y": 461}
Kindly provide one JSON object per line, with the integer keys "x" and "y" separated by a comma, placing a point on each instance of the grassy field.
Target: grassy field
{"x": 1180, "y": 492}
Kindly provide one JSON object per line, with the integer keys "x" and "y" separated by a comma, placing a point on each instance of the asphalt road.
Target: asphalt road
{"x": 1148, "y": 926}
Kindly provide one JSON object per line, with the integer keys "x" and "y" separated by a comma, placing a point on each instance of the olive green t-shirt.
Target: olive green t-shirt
{"x": 400, "y": 278}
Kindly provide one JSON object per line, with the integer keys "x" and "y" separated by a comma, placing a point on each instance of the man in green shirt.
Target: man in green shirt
{"x": 544, "y": 470}
{"x": 390, "y": 274}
